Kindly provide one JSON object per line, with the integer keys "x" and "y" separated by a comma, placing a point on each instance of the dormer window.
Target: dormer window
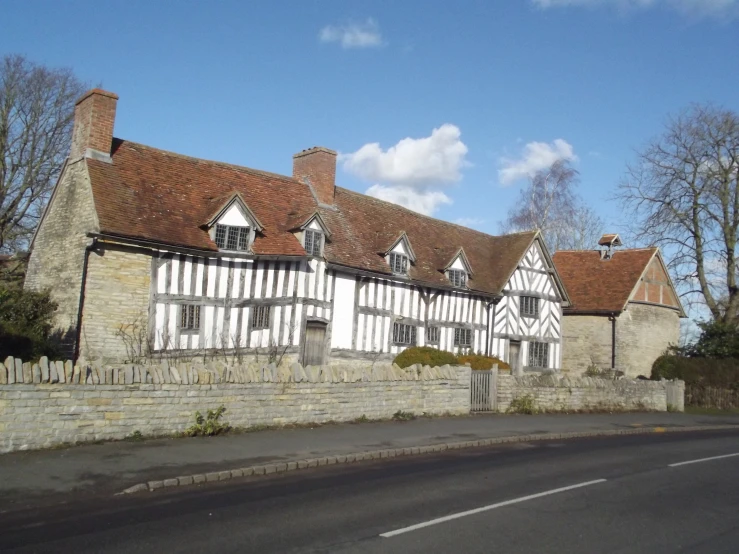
{"x": 234, "y": 226}
{"x": 398, "y": 263}
{"x": 230, "y": 237}
{"x": 457, "y": 277}
{"x": 312, "y": 242}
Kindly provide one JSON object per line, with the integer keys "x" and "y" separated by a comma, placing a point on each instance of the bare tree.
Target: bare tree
{"x": 36, "y": 116}
{"x": 683, "y": 194}
{"x": 550, "y": 204}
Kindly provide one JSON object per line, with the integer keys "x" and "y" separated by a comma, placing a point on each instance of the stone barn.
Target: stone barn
{"x": 624, "y": 312}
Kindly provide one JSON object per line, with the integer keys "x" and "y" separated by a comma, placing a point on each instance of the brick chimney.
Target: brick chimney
{"x": 317, "y": 168}
{"x": 94, "y": 117}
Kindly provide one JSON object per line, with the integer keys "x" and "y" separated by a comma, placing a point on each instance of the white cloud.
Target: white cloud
{"x": 692, "y": 8}
{"x": 437, "y": 159}
{"x": 412, "y": 172}
{"x": 422, "y": 201}
{"x": 353, "y": 35}
{"x": 471, "y": 222}
{"x": 535, "y": 157}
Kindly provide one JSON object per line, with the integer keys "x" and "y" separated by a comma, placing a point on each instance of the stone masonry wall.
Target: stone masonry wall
{"x": 116, "y": 303}
{"x": 586, "y": 339}
{"x": 554, "y": 393}
{"x": 643, "y": 332}
{"x": 58, "y": 252}
{"x": 72, "y": 404}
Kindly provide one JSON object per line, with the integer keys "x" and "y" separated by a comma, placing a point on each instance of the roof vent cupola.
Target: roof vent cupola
{"x": 608, "y": 242}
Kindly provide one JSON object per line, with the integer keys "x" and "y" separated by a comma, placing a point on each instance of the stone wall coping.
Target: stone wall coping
{"x": 16, "y": 372}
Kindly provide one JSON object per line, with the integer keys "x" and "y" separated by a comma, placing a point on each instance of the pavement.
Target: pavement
{"x": 54, "y": 475}
{"x": 628, "y": 493}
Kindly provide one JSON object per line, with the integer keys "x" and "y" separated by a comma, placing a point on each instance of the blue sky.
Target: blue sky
{"x": 444, "y": 105}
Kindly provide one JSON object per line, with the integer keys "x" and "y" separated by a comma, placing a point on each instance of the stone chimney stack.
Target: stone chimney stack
{"x": 317, "y": 168}
{"x": 94, "y": 117}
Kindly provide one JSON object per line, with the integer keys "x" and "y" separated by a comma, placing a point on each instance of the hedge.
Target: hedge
{"x": 707, "y": 372}
{"x": 478, "y": 361}
{"x": 425, "y": 355}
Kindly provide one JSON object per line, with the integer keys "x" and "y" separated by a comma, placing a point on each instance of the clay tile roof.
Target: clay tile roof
{"x": 165, "y": 198}
{"x": 597, "y": 285}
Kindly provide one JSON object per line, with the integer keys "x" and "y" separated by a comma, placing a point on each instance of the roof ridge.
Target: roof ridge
{"x": 207, "y": 161}
{"x": 418, "y": 214}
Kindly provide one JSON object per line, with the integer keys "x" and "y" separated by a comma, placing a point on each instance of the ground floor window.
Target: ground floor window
{"x": 260, "y": 317}
{"x": 538, "y": 354}
{"x": 463, "y": 337}
{"x": 404, "y": 334}
{"x": 190, "y": 319}
{"x": 432, "y": 335}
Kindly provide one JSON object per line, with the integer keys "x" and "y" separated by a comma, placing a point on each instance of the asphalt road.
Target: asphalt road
{"x": 619, "y": 495}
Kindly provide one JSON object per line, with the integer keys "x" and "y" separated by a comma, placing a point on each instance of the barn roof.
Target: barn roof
{"x": 601, "y": 285}
{"x": 166, "y": 198}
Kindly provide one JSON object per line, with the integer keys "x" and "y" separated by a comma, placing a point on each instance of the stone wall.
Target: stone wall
{"x": 53, "y": 403}
{"x": 116, "y": 310}
{"x": 643, "y": 332}
{"x": 555, "y": 393}
{"x": 586, "y": 339}
{"x": 58, "y": 250}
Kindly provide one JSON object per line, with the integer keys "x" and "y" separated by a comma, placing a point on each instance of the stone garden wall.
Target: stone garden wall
{"x": 557, "y": 393}
{"x": 52, "y": 403}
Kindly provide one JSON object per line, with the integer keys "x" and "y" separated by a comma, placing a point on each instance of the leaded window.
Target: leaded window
{"x": 529, "y": 306}
{"x": 260, "y": 317}
{"x": 190, "y": 318}
{"x": 398, "y": 263}
{"x": 312, "y": 240}
{"x": 462, "y": 337}
{"x": 457, "y": 277}
{"x": 432, "y": 335}
{"x": 538, "y": 354}
{"x": 404, "y": 334}
{"x": 230, "y": 237}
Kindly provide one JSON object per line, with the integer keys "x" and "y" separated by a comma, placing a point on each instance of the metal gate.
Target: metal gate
{"x": 484, "y": 390}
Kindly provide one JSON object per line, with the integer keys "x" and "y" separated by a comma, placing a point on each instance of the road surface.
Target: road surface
{"x": 614, "y": 494}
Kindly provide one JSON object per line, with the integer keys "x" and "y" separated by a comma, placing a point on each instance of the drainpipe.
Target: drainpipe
{"x": 612, "y": 319}
{"x": 89, "y": 248}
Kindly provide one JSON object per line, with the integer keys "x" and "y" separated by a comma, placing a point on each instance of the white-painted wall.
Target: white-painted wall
{"x": 306, "y": 289}
{"x": 233, "y": 216}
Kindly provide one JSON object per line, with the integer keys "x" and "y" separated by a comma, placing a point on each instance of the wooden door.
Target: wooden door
{"x": 315, "y": 342}
{"x": 514, "y": 357}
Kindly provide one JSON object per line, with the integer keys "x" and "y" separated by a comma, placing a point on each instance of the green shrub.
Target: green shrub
{"x": 522, "y": 405}
{"x": 717, "y": 340}
{"x": 478, "y": 361}
{"x": 400, "y": 415}
{"x": 209, "y": 425}
{"x": 26, "y": 323}
{"x": 425, "y": 355}
{"x": 707, "y": 372}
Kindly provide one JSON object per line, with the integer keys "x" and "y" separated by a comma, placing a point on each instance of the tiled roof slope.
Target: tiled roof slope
{"x": 162, "y": 197}
{"x": 596, "y": 285}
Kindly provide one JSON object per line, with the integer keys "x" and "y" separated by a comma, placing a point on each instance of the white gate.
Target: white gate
{"x": 484, "y": 390}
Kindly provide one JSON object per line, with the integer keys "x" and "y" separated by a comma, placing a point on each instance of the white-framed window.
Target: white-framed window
{"x": 529, "y": 306}
{"x": 229, "y": 237}
{"x": 190, "y": 317}
{"x": 457, "y": 277}
{"x": 432, "y": 335}
{"x": 260, "y": 317}
{"x": 462, "y": 337}
{"x": 404, "y": 334}
{"x": 312, "y": 242}
{"x": 538, "y": 354}
{"x": 398, "y": 263}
